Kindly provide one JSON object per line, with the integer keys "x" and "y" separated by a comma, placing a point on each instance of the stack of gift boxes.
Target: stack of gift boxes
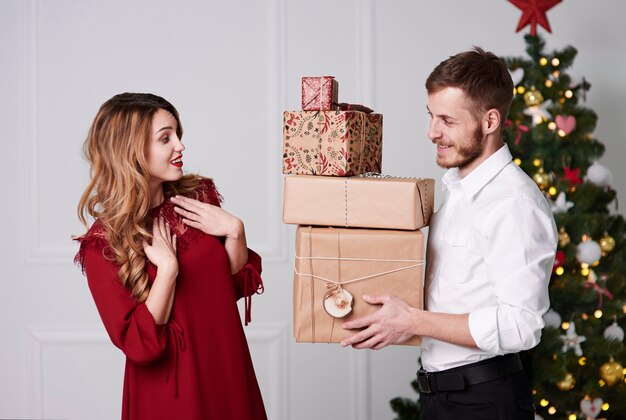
{"x": 358, "y": 230}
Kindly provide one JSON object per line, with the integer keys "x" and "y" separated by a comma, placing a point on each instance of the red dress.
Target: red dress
{"x": 197, "y": 366}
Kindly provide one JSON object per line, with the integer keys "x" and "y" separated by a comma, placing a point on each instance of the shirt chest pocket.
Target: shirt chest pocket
{"x": 456, "y": 238}
{"x": 456, "y": 248}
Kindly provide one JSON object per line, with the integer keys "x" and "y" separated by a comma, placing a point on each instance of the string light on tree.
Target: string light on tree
{"x": 542, "y": 179}
{"x": 564, "y": 238}
{"x": 533, "y": 97}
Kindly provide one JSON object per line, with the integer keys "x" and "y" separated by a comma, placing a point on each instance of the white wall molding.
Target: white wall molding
{"x": 273, "y": 248}
{"x": 275, "y": 337}
{"x": 272, "y": 337}
{"x": 36, "y": 341}
{"x": 275, "y": 251}
{"x": 366, "y": 88}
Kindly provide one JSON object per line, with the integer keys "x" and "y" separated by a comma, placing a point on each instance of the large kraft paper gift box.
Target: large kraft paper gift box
{"x": 331, "y": 261}
{"x": 366, "y": 202}
{"x": 335, "y": 143}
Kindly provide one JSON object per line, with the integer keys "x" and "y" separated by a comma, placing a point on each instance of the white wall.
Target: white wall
{"x": 231, "y": 68}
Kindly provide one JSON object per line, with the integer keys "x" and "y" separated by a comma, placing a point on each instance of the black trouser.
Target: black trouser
{"x": 506, "y": 397}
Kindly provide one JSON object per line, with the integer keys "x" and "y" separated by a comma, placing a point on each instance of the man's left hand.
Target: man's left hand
{"x": 393, "y": 323}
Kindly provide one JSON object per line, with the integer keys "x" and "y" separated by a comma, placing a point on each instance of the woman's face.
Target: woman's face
{"x": 165, "y": 149}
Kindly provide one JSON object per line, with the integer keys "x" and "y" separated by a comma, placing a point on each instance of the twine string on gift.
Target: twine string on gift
{"x": 312, "y": 285}
{"x": 418, "y": 263}
{"x": 345, "y": 200}
{"x": 423, "y": 201}
{"x": 338, "y": 281}
{"x": 332, "y": 325}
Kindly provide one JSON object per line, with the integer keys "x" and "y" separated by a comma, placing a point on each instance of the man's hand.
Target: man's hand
{"x": 393, "y": 323}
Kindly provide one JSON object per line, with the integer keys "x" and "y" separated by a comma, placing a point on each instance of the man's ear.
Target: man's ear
{"x": 491, "y": 121}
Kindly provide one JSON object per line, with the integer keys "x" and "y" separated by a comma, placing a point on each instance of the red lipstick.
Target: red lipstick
{"x": 177, "y": 161}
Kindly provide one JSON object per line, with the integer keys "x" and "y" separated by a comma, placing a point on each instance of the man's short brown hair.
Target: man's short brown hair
{"x": 482, "y": 76}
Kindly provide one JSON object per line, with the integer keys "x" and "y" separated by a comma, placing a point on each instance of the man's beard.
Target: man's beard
{"x": 467, "y": 153}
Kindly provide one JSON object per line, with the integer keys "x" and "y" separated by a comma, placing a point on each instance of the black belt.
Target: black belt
{"x": 457, "y": 379}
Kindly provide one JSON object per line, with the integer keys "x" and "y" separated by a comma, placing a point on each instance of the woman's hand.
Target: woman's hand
{"x": 210, "y": 219}
{"x": 213, "y": 220}
{"x": 162, "y": 251}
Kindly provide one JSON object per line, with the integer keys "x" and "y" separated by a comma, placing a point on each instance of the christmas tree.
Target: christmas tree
{"x": 577, "y": 370}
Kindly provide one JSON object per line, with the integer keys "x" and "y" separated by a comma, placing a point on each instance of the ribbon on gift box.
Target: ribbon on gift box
{"x": 413, "y": 263}
{"x": 354, "y": 107}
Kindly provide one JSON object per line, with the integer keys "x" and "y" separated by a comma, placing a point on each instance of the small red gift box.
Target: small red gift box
{"x": 319, "y": 93}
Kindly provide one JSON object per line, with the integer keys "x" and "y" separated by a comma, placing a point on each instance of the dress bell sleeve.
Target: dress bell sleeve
{"x": 248, "y": 282}
{"x": 129, "y": 324}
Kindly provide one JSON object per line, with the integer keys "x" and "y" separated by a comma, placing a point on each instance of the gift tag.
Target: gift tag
{"x": 337, "y": 301}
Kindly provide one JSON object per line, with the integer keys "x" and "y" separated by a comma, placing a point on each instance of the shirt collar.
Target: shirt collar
{"x": 473, "y": 182}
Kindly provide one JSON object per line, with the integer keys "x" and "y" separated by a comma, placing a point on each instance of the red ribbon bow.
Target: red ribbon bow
{"x": 519, "y": 129}
{"x": 600, "y": 290}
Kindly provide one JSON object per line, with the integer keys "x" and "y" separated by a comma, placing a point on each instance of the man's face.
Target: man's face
{"x": 454, "y": 129}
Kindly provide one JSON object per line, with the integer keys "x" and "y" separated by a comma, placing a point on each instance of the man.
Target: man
{"x": 491, "y": 247}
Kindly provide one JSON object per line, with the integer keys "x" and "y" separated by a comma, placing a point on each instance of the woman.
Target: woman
{"x": 165, "y": 265}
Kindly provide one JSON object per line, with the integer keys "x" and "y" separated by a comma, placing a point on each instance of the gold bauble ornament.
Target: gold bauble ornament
{"x": 567, "y": 383}
{"x": 542, "y": 179}
{"x": 607, "y": 243}
{"x": 611, "y": 372}
{"x": 564, "y": 239}
{"x": 533, "y": 97}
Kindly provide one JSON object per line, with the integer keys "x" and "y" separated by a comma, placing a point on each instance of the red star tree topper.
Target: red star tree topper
{"x": 534, "y": 12}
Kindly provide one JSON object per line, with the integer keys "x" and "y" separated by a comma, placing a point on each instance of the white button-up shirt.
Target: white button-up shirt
{"x": 491, "y": 248}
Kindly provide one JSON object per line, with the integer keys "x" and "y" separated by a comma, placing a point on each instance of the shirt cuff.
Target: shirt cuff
{"x": 484, "y": 329}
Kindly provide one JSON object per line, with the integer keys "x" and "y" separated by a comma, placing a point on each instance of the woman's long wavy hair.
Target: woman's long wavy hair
{"x": 117, "y": 195}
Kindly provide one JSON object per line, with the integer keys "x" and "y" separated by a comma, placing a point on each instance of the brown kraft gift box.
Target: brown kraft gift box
{"x": 363, "y": 261}
{"x": 366, "y": 202}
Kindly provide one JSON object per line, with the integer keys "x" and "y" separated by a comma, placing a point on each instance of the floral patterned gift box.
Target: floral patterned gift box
{"x": 335, "y": 143}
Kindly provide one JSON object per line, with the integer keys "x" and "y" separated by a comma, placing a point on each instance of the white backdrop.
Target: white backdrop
{"x": 230, "y": 68}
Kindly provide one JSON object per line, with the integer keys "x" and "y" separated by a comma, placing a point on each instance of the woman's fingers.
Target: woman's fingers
{"x": 185, "y": 213}
{"x": 155, "y": 228}
{"x": 168, "y": 231}
{"x": 188, "y": 203}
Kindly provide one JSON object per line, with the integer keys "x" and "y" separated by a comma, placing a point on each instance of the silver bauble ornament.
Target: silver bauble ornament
{"x": 588, "y": 252}
{"x": 599, "y": 175}
{"x": 614, "y": 332}
{"x": 552, "y": 319}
